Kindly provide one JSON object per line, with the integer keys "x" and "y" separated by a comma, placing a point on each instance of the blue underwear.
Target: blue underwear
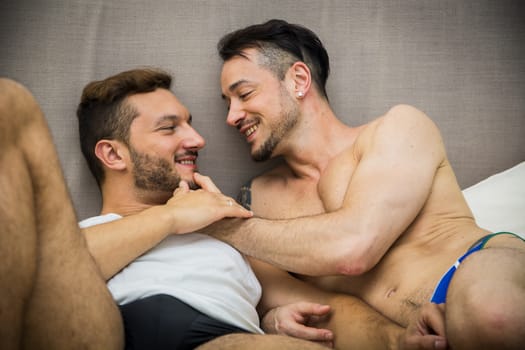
{"x": 440, "y": 293}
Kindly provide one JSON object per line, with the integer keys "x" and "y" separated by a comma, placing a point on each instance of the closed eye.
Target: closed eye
{"x": 246, "y": 95}
{"x": 167, "y": 128}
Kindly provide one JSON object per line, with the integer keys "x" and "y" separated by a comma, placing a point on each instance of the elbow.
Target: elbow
{"x": 351, "y": 267}
{"x": 354, "y": 262}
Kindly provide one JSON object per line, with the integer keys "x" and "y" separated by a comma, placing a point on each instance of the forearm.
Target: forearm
{"x": 115, "y": 244}
{"x": 281, "y": 288}
{"x": 294, "y": 245}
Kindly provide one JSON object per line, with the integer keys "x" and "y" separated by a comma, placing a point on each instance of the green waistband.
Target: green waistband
{"x": 486, "y": 238}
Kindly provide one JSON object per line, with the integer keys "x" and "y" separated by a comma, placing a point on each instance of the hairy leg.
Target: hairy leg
{"x": 56, "y": 296}
{"x": 259, "y": 342}
{"x": 485, "y": 306}
{"x": 355, "y": 326}
{"x": 18, "y": 239}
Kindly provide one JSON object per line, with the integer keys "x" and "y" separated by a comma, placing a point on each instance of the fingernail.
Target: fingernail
{"x": 440, "y": 344}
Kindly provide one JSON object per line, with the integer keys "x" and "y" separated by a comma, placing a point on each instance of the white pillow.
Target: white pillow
{"x": 498, "y": 202}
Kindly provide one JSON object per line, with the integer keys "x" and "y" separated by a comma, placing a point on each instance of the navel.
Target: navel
{"x": 391, "y": 292}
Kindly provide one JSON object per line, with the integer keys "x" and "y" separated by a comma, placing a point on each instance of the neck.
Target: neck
{"x": 318, "y": 137}
{"x": 121, "y": 197}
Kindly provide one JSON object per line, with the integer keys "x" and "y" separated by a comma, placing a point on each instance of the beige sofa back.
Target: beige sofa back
{"x": 462, "y": 62}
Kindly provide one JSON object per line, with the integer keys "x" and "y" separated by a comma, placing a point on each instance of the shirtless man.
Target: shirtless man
{"x": 176, "y": 288}
{"x": 53, "y": 293}
{"x": 139, "y": 143}
{"x": 374, "y": 211}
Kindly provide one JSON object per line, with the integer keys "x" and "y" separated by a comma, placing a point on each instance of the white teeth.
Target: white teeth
{"x": 250, "y": 130}
{"x": 186, "y": 162}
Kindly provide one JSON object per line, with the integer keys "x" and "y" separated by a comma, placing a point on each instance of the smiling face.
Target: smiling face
{"x": 163, "y": 145}
{"x": 259, "y": 104}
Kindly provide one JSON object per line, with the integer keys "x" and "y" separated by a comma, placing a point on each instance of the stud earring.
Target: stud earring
{"x": 300, "y": 94}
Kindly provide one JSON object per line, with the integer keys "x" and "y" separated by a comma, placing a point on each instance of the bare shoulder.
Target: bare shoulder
{"x": 400, "y": 124}
{"x": 407, "y": 117}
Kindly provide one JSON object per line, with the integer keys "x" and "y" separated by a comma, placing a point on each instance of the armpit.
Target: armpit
{"x": 245, "y": 195}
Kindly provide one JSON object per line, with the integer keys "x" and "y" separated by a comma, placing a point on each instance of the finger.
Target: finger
{"x": 426, "y": 342}
{"x": 312, "y": 308}
{"x": 321, "y": 310}
{"x": 434, "y": 317}
{"x": 298, "y": 330}
{"x": 205, "y": 183}
{"x": 182, "y": 188}
{"x": 328, "y": 344}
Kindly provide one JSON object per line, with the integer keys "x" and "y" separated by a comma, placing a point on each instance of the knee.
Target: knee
{"x": 12, "y": 90}
{"x": 17, "y": 107}
{"x": 486, "y": 304}
{"x": 489, "y": 325}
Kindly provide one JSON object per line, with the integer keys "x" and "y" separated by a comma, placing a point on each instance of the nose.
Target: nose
{"x": 193, "y": 140}
{"x": 235, "y": 114}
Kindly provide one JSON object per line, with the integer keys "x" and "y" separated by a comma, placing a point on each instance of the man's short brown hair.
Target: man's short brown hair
{"x": 103, "y": 112}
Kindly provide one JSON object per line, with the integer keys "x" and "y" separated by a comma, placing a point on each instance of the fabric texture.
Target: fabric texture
{"x": 498, "y": 202}
{"x": 162, "y": 322}
{"x": 201, "y": 271}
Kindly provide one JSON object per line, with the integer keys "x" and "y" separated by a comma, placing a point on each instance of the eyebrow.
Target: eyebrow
{"x": 234, "y": 86}
{"x": 172, "y": 118}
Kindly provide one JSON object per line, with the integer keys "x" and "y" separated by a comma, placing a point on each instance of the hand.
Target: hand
{"x": 426, "y": 330}
{"x": 294, "y": 320}
{"x": 192, "y": 210}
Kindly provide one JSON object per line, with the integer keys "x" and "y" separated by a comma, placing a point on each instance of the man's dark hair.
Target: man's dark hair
{"x": 280, "y": 44}
{"x": 103, "y": 112}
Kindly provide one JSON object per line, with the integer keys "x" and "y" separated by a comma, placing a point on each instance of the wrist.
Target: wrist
{"x": 160, "y": 219}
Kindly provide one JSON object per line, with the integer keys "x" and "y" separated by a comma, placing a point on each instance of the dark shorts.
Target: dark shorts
{"x": 164, "y": 322}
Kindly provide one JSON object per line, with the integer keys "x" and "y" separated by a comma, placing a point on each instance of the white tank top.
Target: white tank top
{"x": 205, "y": 273}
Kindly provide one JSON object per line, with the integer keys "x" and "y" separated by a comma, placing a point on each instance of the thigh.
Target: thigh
{"x": 259, "y": 342}
{"x": 486, "y": 299}
{"x": 68, "y": 305}
{"x": 17, "y": 246}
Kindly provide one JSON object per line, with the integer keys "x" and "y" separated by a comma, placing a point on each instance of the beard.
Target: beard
{"x": 154, "y": 173}
{"x": 288, "y": 118}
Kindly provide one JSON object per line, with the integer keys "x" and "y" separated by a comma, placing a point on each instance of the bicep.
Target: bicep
{"x": 394, "y": 175}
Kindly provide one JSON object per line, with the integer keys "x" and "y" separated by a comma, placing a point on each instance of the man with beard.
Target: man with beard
{"x": 372, "y": 211}
{"x": 139, "y": 144}
{"x": 53, "y": 292}
{"x": 176, "y": 289}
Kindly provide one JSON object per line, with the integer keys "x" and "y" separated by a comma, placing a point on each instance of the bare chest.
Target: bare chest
{"x": 285, "y": 202}
{"x": 291, "y": 197}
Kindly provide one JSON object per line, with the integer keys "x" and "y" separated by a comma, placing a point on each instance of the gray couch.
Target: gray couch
{"x": 462, "y": 62}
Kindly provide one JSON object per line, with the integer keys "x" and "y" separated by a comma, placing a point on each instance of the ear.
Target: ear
{"x": 302, "y": 79}
{"x": 113, "y": 154}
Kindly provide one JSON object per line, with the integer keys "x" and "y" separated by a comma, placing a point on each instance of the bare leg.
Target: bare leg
{"x": 357, "y": 326}
{"x": 55, "y": 297}
{"x": 485, "y": 306}
{"x": 259, "y": 342}
{"x": 354, "y": 323}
